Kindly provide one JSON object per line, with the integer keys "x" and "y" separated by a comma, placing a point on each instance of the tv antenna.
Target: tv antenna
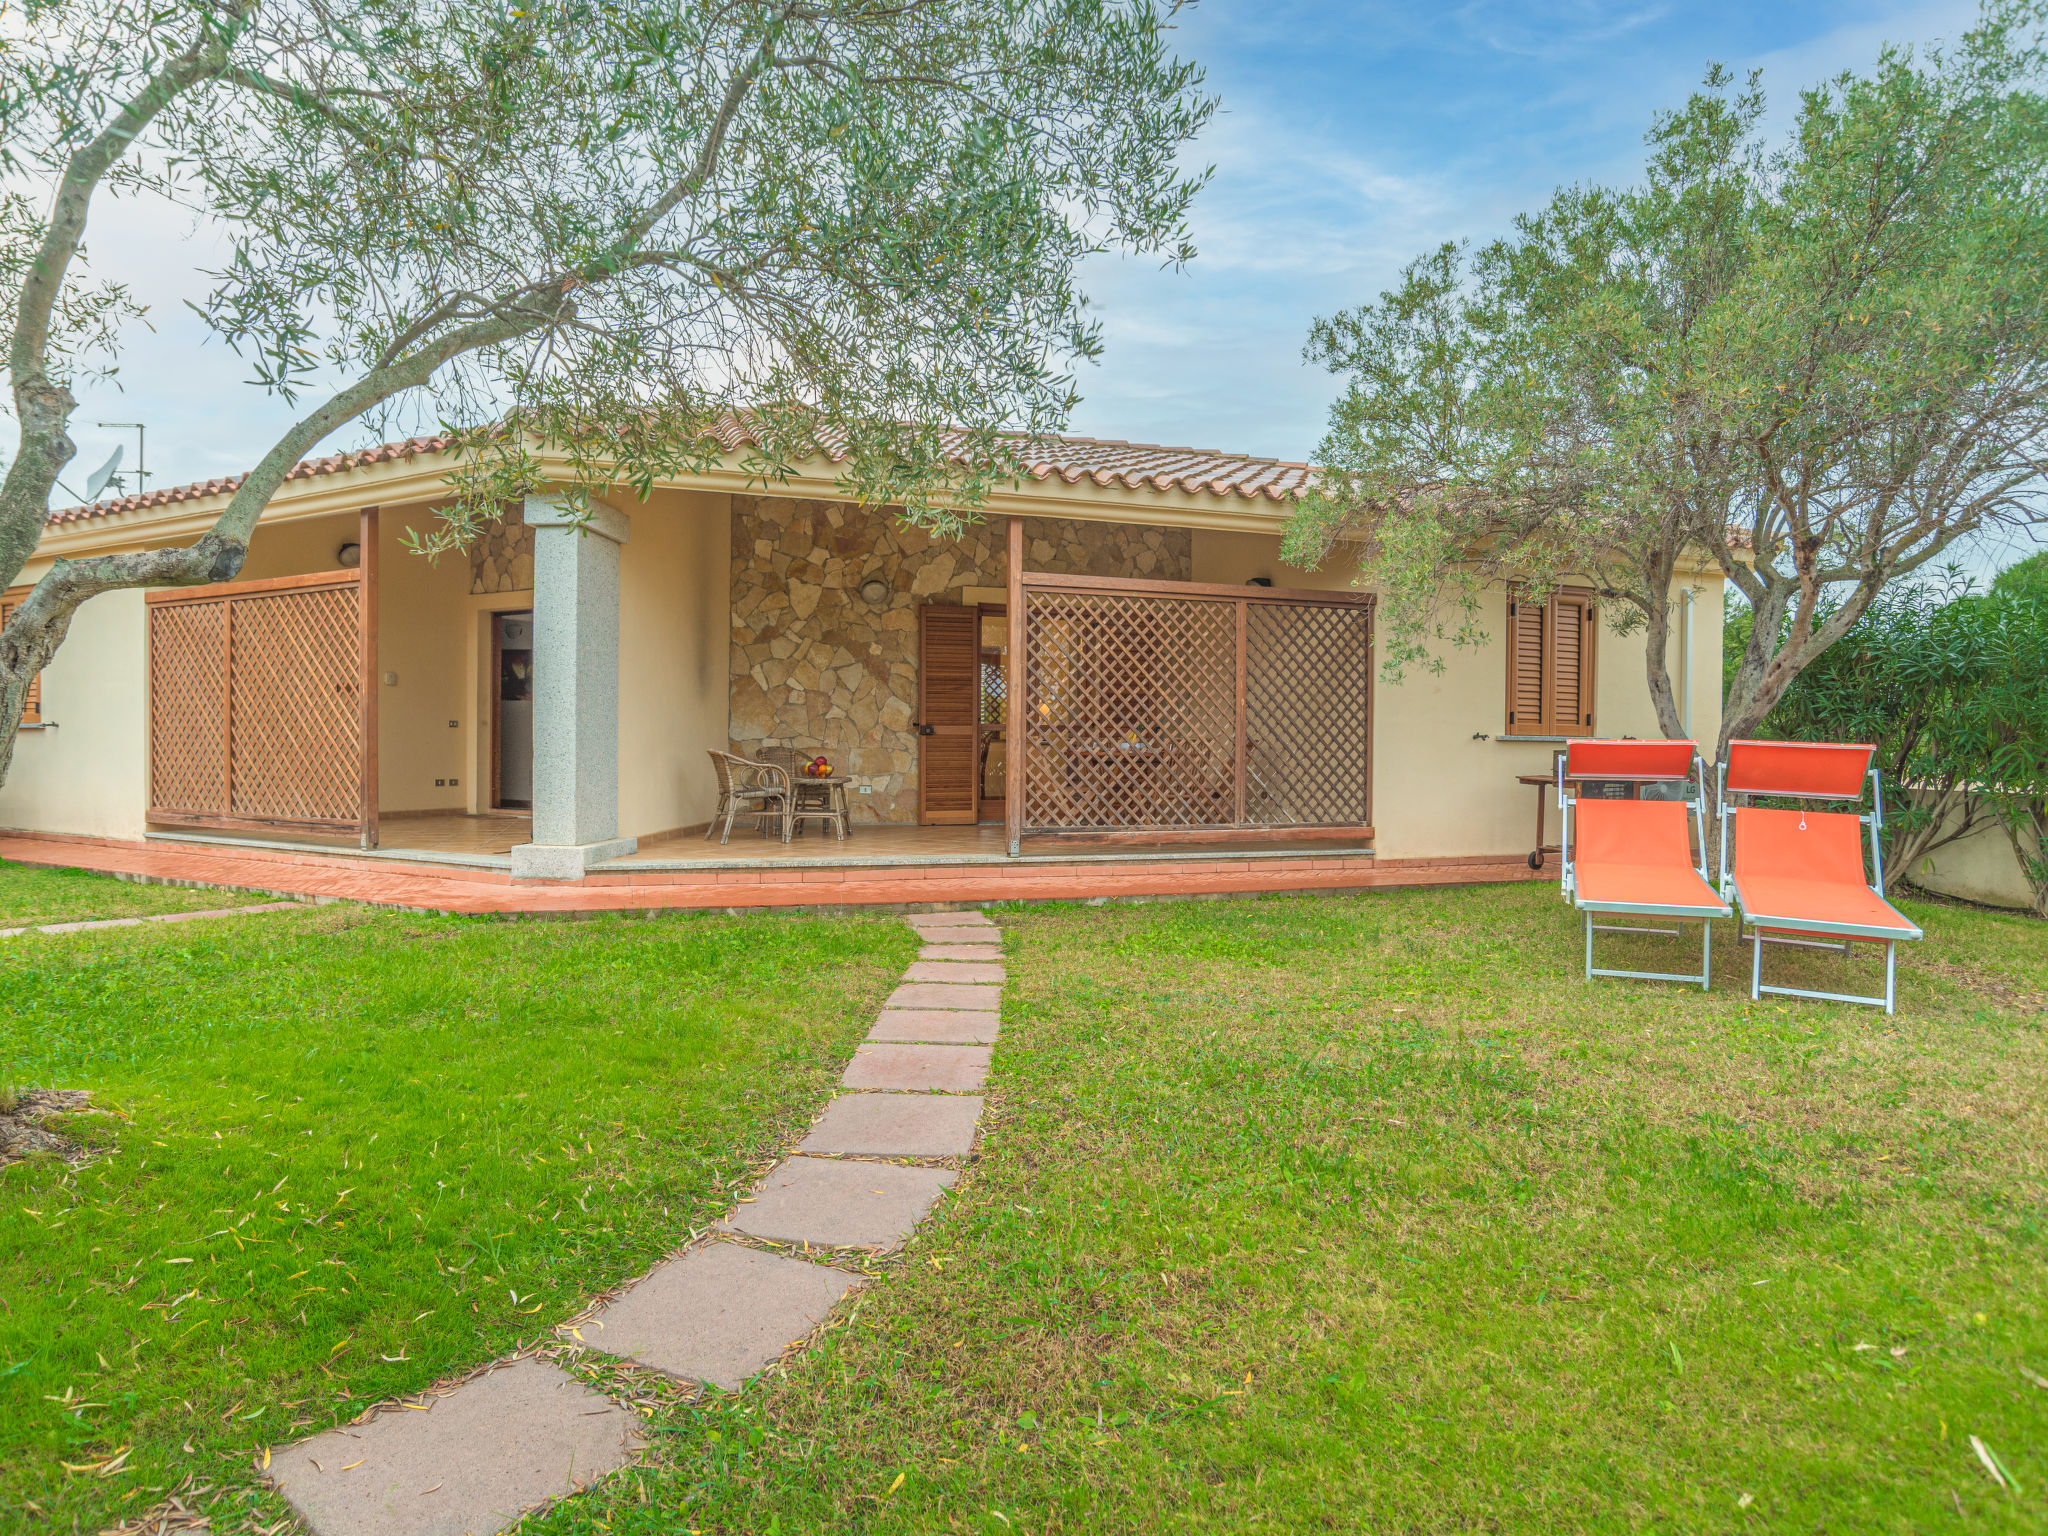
{"x": 110, "y": 469}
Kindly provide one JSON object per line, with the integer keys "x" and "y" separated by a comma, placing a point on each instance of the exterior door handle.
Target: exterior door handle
{"x": 925, "y": 730}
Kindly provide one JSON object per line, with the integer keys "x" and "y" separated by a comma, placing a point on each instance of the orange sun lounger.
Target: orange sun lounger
{"x": 1799, "y": 876}
{"x": 1635, "y": 857}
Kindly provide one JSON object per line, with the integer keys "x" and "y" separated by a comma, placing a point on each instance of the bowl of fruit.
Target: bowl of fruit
{"x": 818, "y": 767}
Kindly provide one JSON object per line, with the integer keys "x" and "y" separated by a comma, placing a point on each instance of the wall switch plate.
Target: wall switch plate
{"x": 867, "y": 789}
{"x": 440, "y": 783}
{"x": 390, "y": 679}
{"x": 454, "y": 725}
{"x": 455, "y": 783}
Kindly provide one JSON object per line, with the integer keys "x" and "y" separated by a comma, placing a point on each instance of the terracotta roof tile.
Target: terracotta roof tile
{"x": 1134, "y": 466}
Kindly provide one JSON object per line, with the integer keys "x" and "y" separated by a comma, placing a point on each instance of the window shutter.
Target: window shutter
{"x": 1568, "y": 624}
{"x": 1525, "y": 666}
{"x": 32, "y": 712}
{"x": 1550, "y": 664}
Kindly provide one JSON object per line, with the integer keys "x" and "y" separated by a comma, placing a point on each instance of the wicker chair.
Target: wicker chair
{"x": 812, "y": 802}
{"x": 748, "y": 788}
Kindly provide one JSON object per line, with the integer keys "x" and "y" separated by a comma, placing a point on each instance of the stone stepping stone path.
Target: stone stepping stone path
{"x": 470, "y": 1460}
{"x": 157, "y": 917}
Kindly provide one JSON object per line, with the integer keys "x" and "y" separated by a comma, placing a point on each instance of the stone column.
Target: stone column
{"x": 575, "y": 691}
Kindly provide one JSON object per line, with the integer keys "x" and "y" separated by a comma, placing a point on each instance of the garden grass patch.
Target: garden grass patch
{"x": 1369, "y": 1213}
{"x": 31, "y": 896}
{"x": 348, "y": 1152}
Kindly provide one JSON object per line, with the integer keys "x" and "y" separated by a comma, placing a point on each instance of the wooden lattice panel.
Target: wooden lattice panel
{"x": 295, "y": 712}
{"x": 188, "y": 709}
{"x": 1130, "y": 717}
{"x": 1219, "y": 711}
{"x": 1308, "y": 677}
{"x": 256, "y": 711}
{"x": 993, "y": 692}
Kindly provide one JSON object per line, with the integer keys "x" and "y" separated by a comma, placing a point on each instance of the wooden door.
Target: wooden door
{"x": 948, "y": 714}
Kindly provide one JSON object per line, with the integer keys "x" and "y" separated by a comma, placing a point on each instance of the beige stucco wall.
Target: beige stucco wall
{"x": 422, "y": 632}
{"x": 89, "y": 773}
{"x": 673, "y": 575}
{"x": 301, "y": 547}
{"x": 1443, "y": 780}
{"x": 1979, "y": 867}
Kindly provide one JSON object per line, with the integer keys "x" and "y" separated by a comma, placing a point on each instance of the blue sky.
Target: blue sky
{"x": 1352, "y": 137}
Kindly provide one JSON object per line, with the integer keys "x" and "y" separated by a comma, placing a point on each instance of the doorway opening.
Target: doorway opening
{"x": 995, "y": 659}
{"x": 512, "y": 711}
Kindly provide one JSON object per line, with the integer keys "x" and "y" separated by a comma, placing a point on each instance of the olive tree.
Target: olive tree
{"x": 1811, "y": 366}
{"x": 584, "y": 229}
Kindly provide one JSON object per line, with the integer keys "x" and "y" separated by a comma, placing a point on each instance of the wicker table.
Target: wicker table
{"x": 828, "y": 790}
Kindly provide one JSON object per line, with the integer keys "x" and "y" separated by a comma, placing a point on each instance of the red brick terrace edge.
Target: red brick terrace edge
{"x": 421, "y": 887}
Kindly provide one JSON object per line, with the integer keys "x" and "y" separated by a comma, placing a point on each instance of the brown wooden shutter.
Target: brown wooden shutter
{"x": 32, "y": 713}
{"x": 1527, "y": 631}
{"x": 948, "y": 714}
{"x": 1550, "y": 663}
{"x": 1572, "y": 623}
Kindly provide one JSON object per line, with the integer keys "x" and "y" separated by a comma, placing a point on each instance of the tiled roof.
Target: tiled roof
{"x": 305, "y": 469}
{"x": 1134, "y": 466}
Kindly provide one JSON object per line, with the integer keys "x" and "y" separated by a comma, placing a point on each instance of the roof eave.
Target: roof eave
{"x": 424, "y": 477}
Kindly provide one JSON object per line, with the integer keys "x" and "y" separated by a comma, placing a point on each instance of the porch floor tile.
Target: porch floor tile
{"x": 865, "y": 1205}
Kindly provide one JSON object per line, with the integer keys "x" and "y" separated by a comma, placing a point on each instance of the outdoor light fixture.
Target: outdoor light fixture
{"x": 874, "y": 589}
{"x": 349, "y": 556}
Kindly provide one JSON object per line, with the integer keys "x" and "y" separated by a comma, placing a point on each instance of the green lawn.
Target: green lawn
{"x": 1368, "y": 1214}
{"x": 358, "y": 1151}
{"x": 29, "y": 896}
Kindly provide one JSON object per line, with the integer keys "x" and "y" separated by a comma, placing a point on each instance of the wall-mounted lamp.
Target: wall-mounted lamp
{"x": 874, "y": 590}
{"x": 1259, "y": 581}
{"x": 349, "y": 556}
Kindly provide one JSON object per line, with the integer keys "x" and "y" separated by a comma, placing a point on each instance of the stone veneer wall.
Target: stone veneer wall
{"x": 501, "y": 558}
{"x": 815, "y": 665}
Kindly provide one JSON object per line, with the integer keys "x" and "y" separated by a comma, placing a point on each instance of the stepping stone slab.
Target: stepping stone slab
{"x": 913, "y": 1068}
{"x": 896, "y": 1125}
{"x": 989, "y": 935}
{"x": 992, "y": 953}
{"x": 954, "y": 970}
{"x": 944, "y": 1026}
{"x": 492, "y": 1449}
{"x": 949, "y": 919}
{"x": 719, "y": 1314}
{"x": 851, "y": 1205}
{"x": 938, "y": 994}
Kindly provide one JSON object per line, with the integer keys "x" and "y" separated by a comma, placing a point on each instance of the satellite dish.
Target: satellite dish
{"x": 101, "y": 476}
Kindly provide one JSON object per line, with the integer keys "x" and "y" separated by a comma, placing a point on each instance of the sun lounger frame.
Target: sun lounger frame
{"x": 1696, "y": 803}
{"x": 1767, "y": 929}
